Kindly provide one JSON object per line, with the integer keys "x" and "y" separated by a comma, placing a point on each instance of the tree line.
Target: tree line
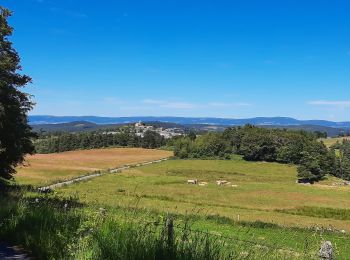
{"x": 313, "y": 158}
{"x": 342, "y": 152}
{"x": 55, "y": 143}
{"x": 15, "y": 132}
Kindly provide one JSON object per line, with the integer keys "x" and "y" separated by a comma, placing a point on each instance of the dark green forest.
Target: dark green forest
{"x": 61, "y": 142}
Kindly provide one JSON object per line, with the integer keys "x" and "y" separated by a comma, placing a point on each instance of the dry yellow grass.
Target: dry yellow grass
{"x": 331, "y": 141}
{"x": 41, "y": 169}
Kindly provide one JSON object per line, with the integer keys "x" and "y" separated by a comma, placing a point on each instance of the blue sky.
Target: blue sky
{"x": 186, "y": 58}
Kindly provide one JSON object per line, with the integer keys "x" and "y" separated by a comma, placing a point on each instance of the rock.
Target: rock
{"x": 103, "y": 211}
{"x": 45, "y": 190}
{"x": 326, "y": 251}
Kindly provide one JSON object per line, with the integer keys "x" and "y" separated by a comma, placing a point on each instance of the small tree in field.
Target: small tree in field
{"x": 15, "y": 133}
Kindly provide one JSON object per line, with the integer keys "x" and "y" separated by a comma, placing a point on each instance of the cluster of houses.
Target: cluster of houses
{"x": 141, "y": 129}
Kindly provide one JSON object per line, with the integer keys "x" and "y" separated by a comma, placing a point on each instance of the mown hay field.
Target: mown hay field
{"x": 264, "y": 192}
{"x": 331, "y": 141}
{"x": 43, "y": 169}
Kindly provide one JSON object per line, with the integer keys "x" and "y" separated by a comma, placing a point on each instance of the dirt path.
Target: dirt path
{"x": 12, "y": 252}
{"x": 94, "y": 175}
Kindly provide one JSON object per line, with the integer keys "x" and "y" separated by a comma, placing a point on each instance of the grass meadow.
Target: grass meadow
{"x": 43, "y": 169}
{"x": 261, "y": 214}
{"x": 54, "y": 228}
{"x": 264, "y": 192}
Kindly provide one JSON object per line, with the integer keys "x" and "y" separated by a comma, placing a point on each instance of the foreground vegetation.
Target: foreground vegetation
{"x": 55, "y": 228}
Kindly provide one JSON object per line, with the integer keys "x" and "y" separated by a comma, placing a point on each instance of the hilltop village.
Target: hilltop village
{"x": 141, "y": 128}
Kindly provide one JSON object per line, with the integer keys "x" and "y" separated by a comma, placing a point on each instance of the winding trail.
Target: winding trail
{"x": 94, "y": 175}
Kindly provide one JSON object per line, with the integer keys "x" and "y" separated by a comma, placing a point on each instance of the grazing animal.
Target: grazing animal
{"x": 195, "y": 181}
{"x": 221, "y": 182}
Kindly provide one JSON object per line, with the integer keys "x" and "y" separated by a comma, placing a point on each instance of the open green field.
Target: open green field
{"x": 331, "y": 141}
{"x": 261, "y": 207}
{"x": 43, "y": 169}
{"x": 264, "y": 191}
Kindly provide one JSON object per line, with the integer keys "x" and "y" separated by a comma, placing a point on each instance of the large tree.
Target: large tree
{"x": 15, "y": 133}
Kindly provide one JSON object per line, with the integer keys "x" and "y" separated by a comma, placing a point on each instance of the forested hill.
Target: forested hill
{"x": 52, "y": 124}
{"x": 278, "y": 121}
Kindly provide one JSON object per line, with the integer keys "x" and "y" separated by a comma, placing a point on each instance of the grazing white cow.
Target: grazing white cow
{"x": 221, "y": 182}
{"x": 195, "y": 181}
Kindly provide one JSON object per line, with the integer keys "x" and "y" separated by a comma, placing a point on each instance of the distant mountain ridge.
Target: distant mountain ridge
{"x": 266, "y": 121}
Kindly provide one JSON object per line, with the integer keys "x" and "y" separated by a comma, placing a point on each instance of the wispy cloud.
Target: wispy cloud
{"x": 152, "y": 101}
{"x": 170, "y": 104}
{"x": 331, "y": 103}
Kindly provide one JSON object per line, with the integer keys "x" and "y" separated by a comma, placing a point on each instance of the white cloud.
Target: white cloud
{"x": 331, "y": 103}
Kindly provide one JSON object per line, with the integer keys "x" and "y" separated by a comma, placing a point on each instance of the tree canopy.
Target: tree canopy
{"x": 15, "y": 133}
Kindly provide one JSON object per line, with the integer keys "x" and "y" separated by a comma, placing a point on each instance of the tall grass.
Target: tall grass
{"x": 135, "y": 239}
{"x": 46, "y": 227}
{"x": 52, "y": 228}
{"x": 319, "y": 212}
{"x": 129, "y": 240}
